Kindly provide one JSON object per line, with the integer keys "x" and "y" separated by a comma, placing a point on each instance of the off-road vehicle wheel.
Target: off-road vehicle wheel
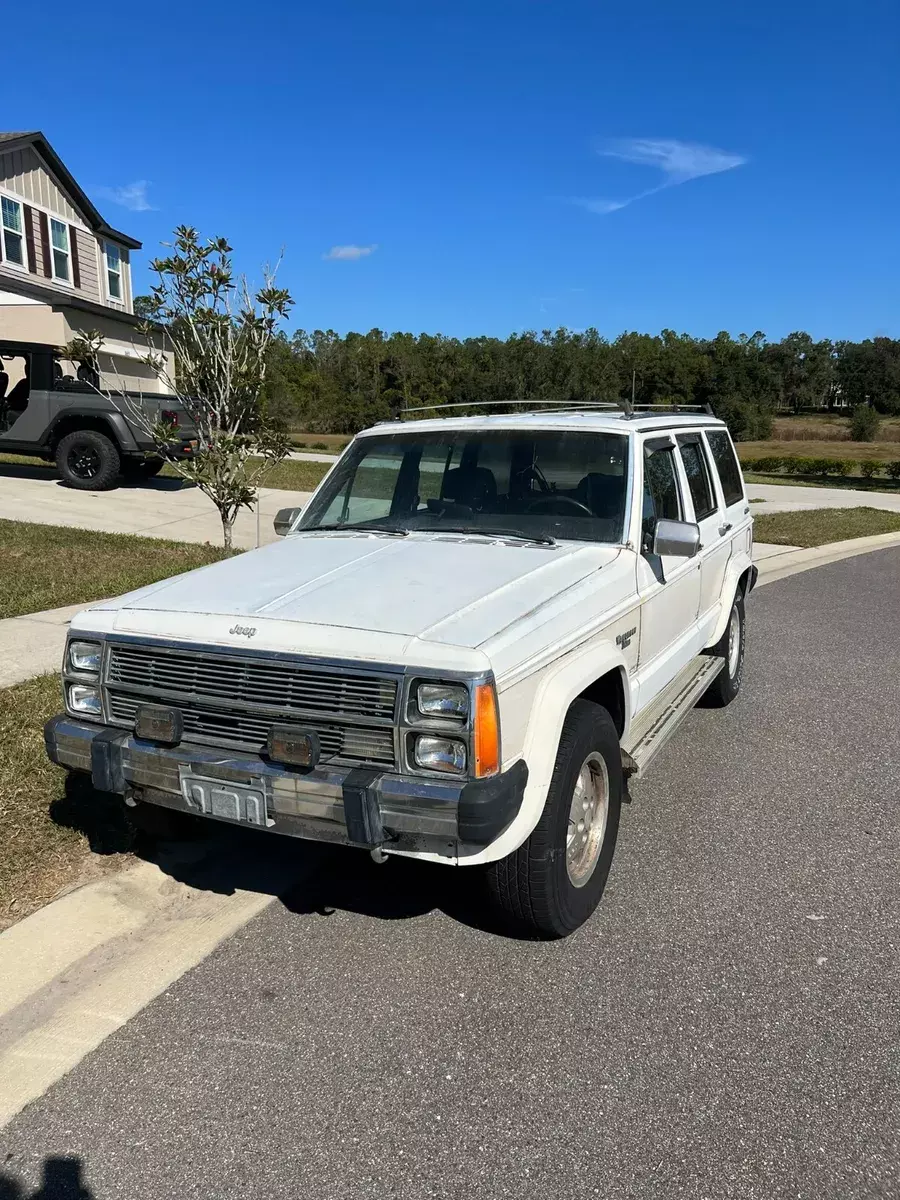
{"x": 88, "y": 460}
{"x": 554, "y": 881}
{"x": 731, "y": 646}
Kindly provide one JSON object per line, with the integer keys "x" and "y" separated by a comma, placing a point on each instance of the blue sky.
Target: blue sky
{"x": 476, "y": 152}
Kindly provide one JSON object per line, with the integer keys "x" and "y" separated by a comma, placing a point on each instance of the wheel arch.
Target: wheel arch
{"x": 600, "y": 676}
{"x": 112, "y": 425}
{"x": 739, "y": 578}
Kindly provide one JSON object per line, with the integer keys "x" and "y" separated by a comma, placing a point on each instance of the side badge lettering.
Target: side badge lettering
{"x": 624, "y": 639}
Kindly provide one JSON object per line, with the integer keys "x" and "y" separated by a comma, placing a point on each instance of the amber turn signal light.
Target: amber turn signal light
{"x": 487, "y": 731}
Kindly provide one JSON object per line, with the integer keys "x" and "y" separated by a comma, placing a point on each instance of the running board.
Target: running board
{"x": 653, "y": 727}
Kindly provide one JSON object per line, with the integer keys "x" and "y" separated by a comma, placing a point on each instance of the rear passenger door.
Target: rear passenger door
{"x": 669, "y": 587}
{"x": 708, "y": 512}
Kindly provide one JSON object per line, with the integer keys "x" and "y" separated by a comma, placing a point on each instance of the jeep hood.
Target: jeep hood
{"x": 447, "y": 588}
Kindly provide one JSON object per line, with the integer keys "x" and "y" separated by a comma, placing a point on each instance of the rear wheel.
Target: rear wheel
{"x": 731, "y": 646}
{"x": 88, "y": 460}
{"x": 554, "y": 881}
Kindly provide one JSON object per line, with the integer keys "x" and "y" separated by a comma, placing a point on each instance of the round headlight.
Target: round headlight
{"x": 443, "y": 700}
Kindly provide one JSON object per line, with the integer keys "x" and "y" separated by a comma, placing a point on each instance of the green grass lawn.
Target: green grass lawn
{"x": 48, "y": 566}
{"x": 53, "y": 834}
{"x": 817, "y": 526}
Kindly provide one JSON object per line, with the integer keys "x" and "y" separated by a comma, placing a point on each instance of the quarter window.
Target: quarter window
{"x": 695, "y": 467}
{"x": 727, "y": 465}
{"x": 113, "y": 272}
{"x": 59, "y": 248}
{"x": 662, "y": 498}
{"x": 11, "y": 213}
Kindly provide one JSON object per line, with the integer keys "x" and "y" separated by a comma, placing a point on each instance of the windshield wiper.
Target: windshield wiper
{"x": 365, "y": 526}
{"x": 540, "y": 539}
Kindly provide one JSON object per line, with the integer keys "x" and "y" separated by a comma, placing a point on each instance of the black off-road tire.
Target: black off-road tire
{"x": 727, "y": 683}
{"x": 88, "y": 460}
{"x": 532, "y": 886}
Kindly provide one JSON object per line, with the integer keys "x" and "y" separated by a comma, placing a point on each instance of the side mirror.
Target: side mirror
{"x": 284, "y": 519}
{"x": 678, "y": 538}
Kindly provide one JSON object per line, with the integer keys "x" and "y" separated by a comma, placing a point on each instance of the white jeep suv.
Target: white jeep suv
{"x": 475, "y": 632}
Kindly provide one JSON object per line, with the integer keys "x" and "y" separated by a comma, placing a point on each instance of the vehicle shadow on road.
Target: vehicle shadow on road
{"x": 309, "y": 878}
{"x": 61, "y": 1181}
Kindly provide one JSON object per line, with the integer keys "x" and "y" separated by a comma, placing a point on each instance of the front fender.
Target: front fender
{"x": 558, "y": 687}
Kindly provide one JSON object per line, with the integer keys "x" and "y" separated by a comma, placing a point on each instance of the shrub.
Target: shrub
{"x": 770, "y": 465}
{"x": 792, "y": 464}
{"x": 864, "y": 423}
{"x": 893, "y": 469}
{"x": 320, "y": 445}
{"x": 844, "y": 466}
{"x": 869, "y": 468}
{"x": 823, "y": 466}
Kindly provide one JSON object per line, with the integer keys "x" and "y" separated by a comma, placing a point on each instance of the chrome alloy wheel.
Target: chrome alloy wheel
{"x": 734, "y": 642}
{"x": 588, "y": 815}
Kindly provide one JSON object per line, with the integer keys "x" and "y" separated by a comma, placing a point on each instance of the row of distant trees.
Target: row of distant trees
{"x": 325, "y": 382}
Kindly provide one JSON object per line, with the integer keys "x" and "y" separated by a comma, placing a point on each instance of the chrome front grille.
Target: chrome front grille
{"x": 233, "y": 701}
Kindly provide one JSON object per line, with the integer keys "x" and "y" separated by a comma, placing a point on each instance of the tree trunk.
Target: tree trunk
{"x": 227, "y": 526}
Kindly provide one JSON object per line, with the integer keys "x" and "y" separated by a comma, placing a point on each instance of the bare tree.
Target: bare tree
{"x": 220, "y": 332}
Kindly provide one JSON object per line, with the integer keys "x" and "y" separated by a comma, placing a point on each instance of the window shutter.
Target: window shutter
{"x": 73, "y": 250}
{"x": 45, "y": 243}
{"x": 28, "y": 218}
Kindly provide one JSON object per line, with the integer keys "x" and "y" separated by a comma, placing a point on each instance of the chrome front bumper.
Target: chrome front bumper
{"x": 355, "y": 806}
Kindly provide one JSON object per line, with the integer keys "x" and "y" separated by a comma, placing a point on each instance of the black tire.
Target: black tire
{"x": 532, "y": 886}
{"x": 88, "y": 460}
{"x": 727, "y": 683}
{"x": 136, "y": 469}
{"x": 158, "y": 823}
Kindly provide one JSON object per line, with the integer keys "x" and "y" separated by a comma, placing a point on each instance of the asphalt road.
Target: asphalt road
{"x": 726, "y": 1026}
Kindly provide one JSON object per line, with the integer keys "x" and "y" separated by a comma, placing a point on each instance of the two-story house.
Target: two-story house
{"x": 63, "y": 269}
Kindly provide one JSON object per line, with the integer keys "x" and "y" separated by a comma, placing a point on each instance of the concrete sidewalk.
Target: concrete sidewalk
{"x": 163, "y": 508}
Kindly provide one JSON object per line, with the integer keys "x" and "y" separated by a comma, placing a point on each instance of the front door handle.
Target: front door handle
{"x": 723, "y": 529}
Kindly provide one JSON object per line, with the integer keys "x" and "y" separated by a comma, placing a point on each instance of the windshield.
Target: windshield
{"x": 535, "y": 484}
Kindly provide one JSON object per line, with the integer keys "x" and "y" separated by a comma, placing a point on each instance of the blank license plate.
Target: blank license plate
{"x": 220, "y": 798}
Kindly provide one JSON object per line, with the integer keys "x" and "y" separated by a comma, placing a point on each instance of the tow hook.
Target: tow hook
{"x": 378, "y": 855}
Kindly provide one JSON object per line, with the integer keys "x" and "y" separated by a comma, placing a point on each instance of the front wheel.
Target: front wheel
{"x": 731, "y": 646}
{"x": 554, "y": 881}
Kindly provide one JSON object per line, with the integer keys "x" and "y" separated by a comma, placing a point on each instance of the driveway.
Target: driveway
{"x": 779, "y": 497}
{"x": 165, "y": 508}
{"x": 725, "y": 1027}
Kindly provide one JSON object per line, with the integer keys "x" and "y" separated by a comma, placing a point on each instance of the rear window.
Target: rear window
{"x": 727, "y": 465}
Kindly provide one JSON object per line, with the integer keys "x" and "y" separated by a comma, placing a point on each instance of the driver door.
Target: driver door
{"x": 668, "y": 586}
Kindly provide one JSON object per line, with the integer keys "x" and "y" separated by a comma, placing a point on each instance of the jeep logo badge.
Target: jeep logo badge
{"x": 246, "y": 631}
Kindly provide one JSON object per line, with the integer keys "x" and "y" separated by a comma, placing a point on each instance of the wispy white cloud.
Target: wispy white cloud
{"x": 349, "y": 253}
{"x": 678, "y": 162}
{"x": 130, "y": 195}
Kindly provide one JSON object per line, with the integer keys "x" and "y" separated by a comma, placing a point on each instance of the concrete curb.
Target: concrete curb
{"x": 792, "y": 562}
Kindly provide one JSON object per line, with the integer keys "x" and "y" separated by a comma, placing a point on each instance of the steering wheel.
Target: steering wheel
{"x": 549, "y": 503}
{"x": 535, "y": 473}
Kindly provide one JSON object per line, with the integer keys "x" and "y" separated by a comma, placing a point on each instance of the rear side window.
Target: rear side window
{"x": 727, "y": 465}
{"x": 695, "y": 467}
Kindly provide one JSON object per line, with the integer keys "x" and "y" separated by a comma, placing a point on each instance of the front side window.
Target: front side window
{"x": 13, "y": 235}
{"x": 531, "y": 484}
{"x": 694, "y": 461}
{"x": 662, "y": 497}
{"x": 59, "y": 247}
{"x": 727, "y": 465}
{"x": 113, "y": 272}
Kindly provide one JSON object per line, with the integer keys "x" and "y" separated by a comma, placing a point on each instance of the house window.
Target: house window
{"x": 13, "y": 250}
{"x": 113, "y": 272}
{"x": 59, "y": 248}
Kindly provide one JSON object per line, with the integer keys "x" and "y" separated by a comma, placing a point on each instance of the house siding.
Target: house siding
{"x": 22, "y": 172}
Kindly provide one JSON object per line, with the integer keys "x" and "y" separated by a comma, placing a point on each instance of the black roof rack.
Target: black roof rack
{"x": 623, "y": 406}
